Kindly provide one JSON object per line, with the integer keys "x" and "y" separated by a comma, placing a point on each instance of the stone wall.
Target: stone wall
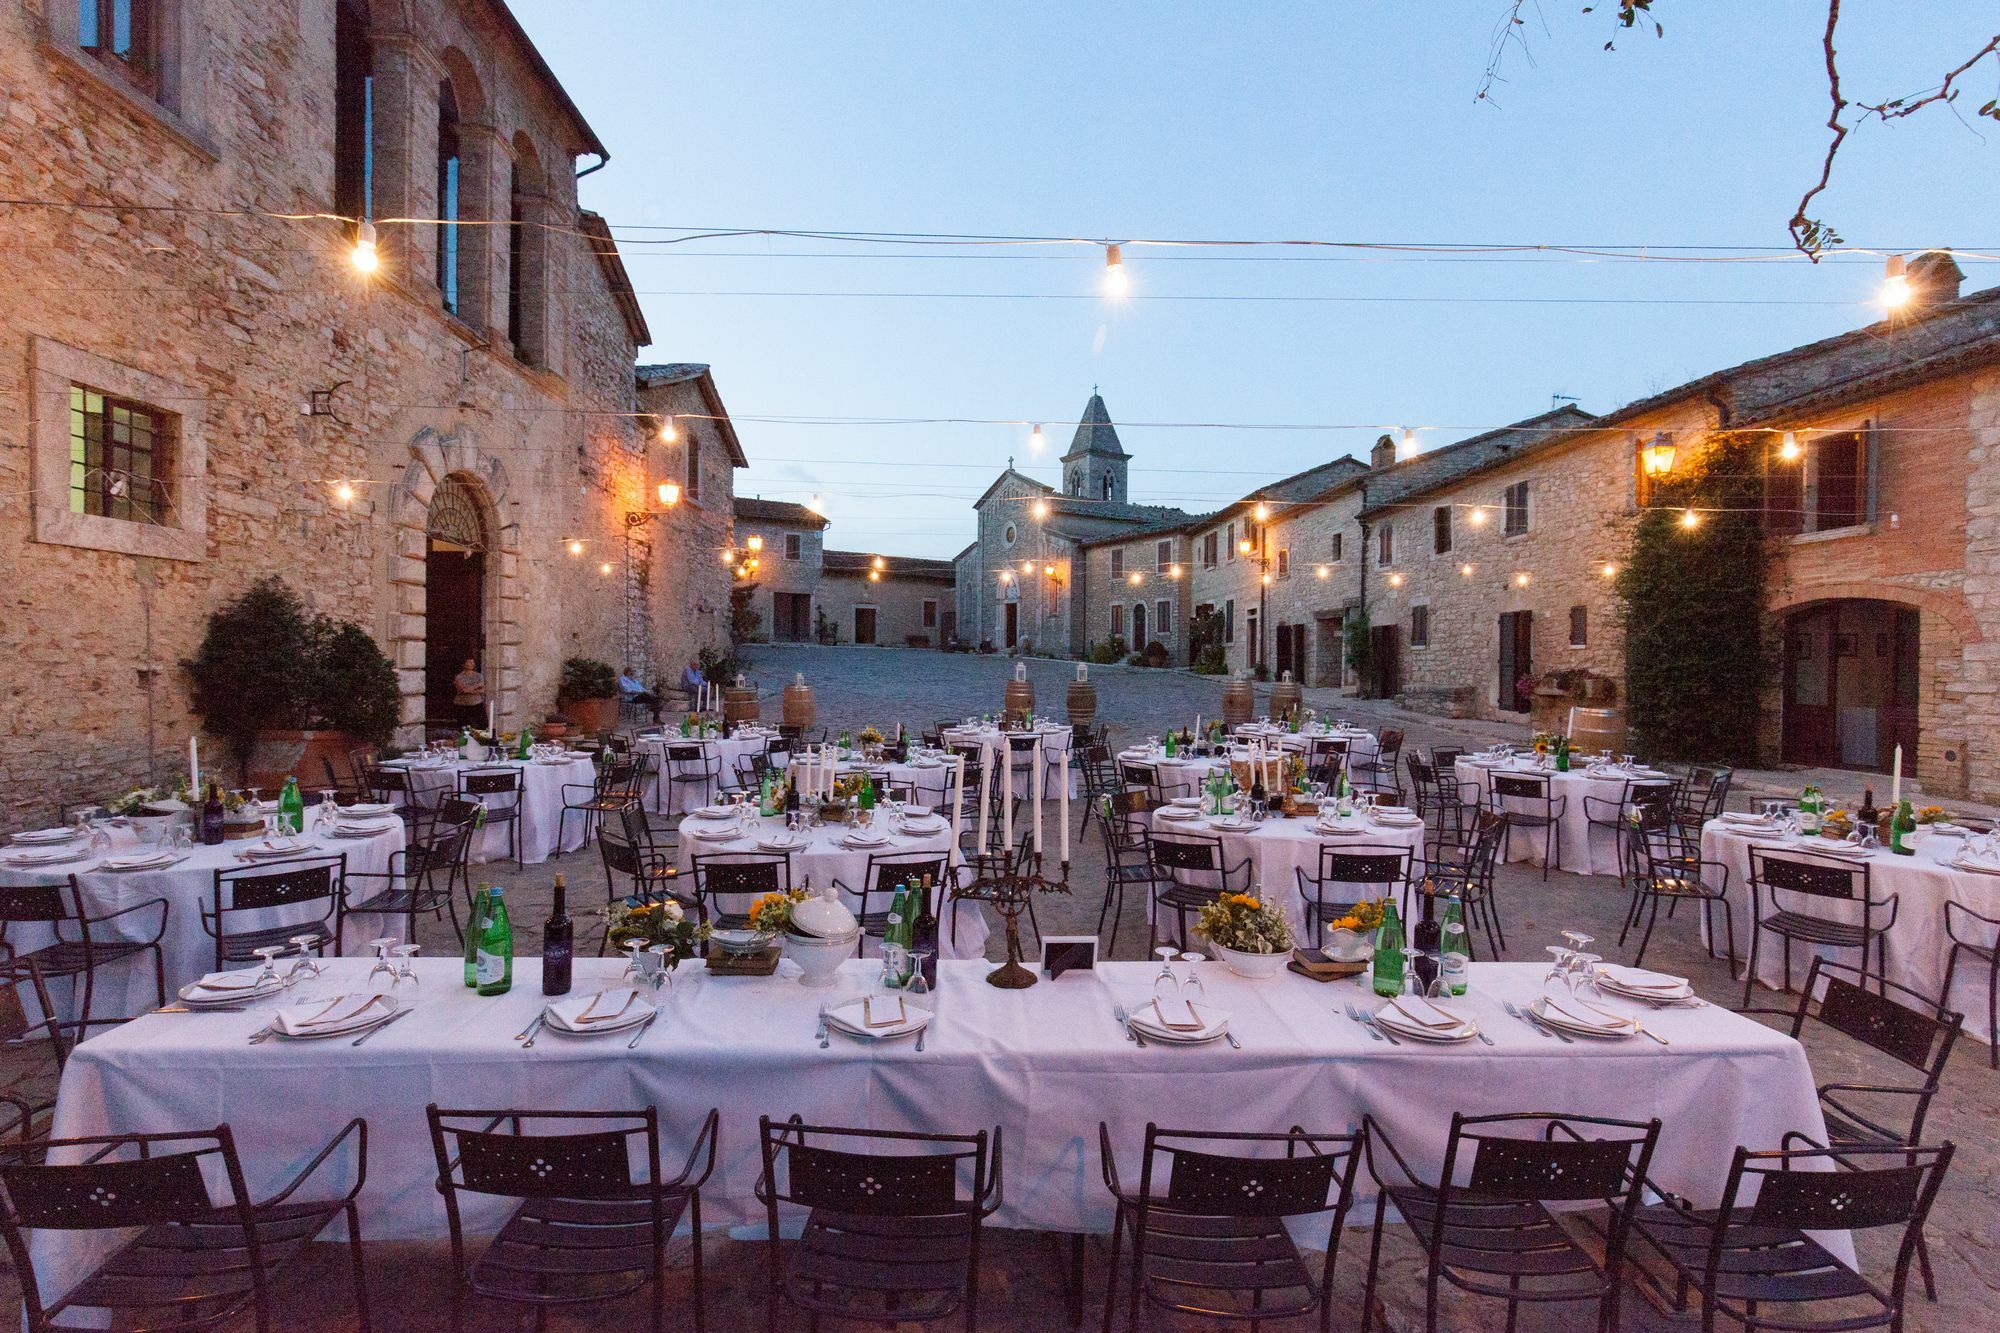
{"x": 1108, "y": 599}
{"x": 898, "y": 603}
{"x": 676, "y": 558}
{"x": 246, "y": 318}
{"x": 776, "y": 574}
{"x": 1310, "y": 588}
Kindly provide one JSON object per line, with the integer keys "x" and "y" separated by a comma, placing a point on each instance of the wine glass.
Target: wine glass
{"x": 329, "y": 809}
{"x": 1191, "y": 988}
{"x": 919, "y": 992}
{"x": 1166, "y": 986}
{"x": 633, "y": 971}
{"x": 305, "y": 965}
{"x": 382, "y": 976}
{"x": 661, "y": 977}
{"x": 268, "y": 974}
{"x": 406, "y": 973}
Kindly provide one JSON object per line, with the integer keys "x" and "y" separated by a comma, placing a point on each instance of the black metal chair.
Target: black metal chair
{"x": 296, "y": 886}
{"x": 1349, "y": 875}
{"x": 1666, "y": 865}
{"x": 1797, "y": 881}
{"x": 1703, "y": 794}
{"x": 1495, "y": 1234}
{"x": 387, "y": 784}
{"x": 422, "y": 877}
{"x": 1208, "y": 1222}
{"x": 1616, "y": 816}
{"x": 737, "y": 875}
{"x": 26, "y": 1131}
{"x": 1145, "y": 777}
{"x": 196, "y": 1262}
{"x": 1189, "y": 872}
{"x": 77, "y": 950}
{"x": 1100, "y": 780}
{"x": 646, "y": 876}
{"x": 692, "y": 772}
{"x": 1380, "y": 770}
{"x": 1526, "y": 800}
{"x": 1444, "y": 758}
{"x": 1753, "y": 1261}
{"x": 891, "y": 1233}
{"x": 1465, "y": 865}
{"x": 500, "y": 792}
{"x": 1978, "y": 936}
{"x": 1128, "y": 857}
{"x": 886, "y": 873}
{"x": 620, "y": 781}
{"x": 588, "y": 1228}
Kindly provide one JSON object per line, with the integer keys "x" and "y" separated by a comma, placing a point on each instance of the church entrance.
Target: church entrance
{"x": 454, "y": 600}
{"x": 1010, "y": 624}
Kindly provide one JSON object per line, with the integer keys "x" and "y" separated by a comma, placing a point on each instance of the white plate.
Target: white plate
{"x": 1148, "y": 1025}
{"x": 154, "y": 861}
{"x": 276, "y": 851}
{"x": 926, "y": 763}
{"x": 59, "y": 856}
{"x": 1177, "y": 812}
{"x": 637, "y": 1012}
{"x": 1393, "y": 1018}
{"x": 1231, "y": 824}
{"x": 360, "y": 1020}
{"x": 1612, "y": 1029}
{"x": 363, "y": 809}
{"x": 1185, "y": 802}
{"x": 714, "y": 812}
{"x": 780, "y": 844}
{"x": 715, "y": 834}
{"x": 44, "y": 837}
{"x": 1624, "y": 981}
{"x": 864, "y": 841}
{"x": 196, "y": 995}
{"x": 851, "y": 1018}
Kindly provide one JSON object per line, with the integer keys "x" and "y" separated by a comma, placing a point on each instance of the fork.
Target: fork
{"x": 1374, "y": 1032}
{"x": 824, "y": 1039}
{"x": 1538, "y": 1025}
{"x": 1230, "y": 1037}
{"x": 1373, "y": 1026}
{"x": 1124, "y": 1021}
{"x": 534, "y": 1030}
{"x": 651, "y": 1019}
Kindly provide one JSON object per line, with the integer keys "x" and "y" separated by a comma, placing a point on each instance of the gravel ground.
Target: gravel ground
{"x": 1023, "y": 1274}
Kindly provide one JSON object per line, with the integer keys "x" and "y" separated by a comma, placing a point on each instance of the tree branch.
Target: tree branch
{"x": 1809, "y": 235}
{"x": 1897, "y": 108}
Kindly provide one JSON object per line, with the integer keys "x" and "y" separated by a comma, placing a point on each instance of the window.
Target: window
{"x": 1441, "y": 529}
{"x": 1336, "y": 548}
{"x": 1118, "y": 562}
{"x": 1076, "y": 481}
{"x": 1163, "y": 556}
{"x": 930, "y": 613}
{"x": 353, "y": 113}
{"x": 120, "y": 459}
{"x": 1163, "y": 617}
{"x": 1517, "y": 509}
{"x": 1107, "y": 486}
{"x": 1229, "y": 620}
{"x": 1579, "y": 627}
{"x": 1118, "y": 618}
{"x": 1007, "y": 535}
{"x": 1420, "y": 627}
{"x": 793, "y": 544}
{"x": 124, "y": 34}
{"x": 1284, "y": 562}
{"x": 693, "y": 487}
{"x": 447, "y": 199}
{"x": 1232, "y": 541}
{"x": 1385, "y": 546}
{"x": 1208, "y": 551}
{"x": 527, "y": 251}
{"x": 1831, "y": 486}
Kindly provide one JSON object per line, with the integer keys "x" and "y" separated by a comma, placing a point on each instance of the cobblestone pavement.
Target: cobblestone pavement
{"x": 1022, "y": 1286}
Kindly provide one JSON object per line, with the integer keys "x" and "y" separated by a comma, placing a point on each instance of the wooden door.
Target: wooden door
{"x": 1010, "y": 618}
{"x": 1138, "y": 627}
{"x": 864, "y": 624}
{"x": 1386, "y": 660}
{"x": 454, "y": 625}
{"x": 1811, "y": 710}
{"x": 1287, "y": 661}
{"x": 1517, "y": 659}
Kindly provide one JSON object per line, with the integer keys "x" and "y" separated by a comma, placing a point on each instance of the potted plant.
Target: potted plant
{"x": 588, "y": 695}
{"x": 287, "y": 690}
{"x": 1251, "y": 939}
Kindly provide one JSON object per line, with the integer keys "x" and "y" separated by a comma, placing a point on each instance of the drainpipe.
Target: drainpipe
{"x": 603, "y": 160}
{"x": 1363, "y": 609}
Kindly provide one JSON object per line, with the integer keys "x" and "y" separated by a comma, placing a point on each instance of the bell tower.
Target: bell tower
{"x": 1094, "y": 467}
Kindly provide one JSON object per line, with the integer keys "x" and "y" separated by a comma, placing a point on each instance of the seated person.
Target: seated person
{"x": 635, "y": 693}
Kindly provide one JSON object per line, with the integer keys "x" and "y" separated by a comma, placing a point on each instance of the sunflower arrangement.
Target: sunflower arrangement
{"x": 771, "y": 914}
{"x": 1363, "y": 919}
{"x": 1242, "y": 922}
{"x": 1932, "y": 814}
{"x": 868, "y": 735}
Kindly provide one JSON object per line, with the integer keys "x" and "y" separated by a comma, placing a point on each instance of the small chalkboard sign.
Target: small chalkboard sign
{"x": 1068, "y": 953}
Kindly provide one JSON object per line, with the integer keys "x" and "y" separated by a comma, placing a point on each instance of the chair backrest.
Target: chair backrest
{"x": 1846, "y": 881}
{"x": 488, "y": 1152}
{"x": 280, "y": 884}
{"x": 803, "y": 1166}
{"x": 1651, "y": 792}
{"x": 687, "y": 753}
{"x": 1138, "y": 775}
{"x": 1904, "y": 1025}
{"x": 1547, "y": 1158}
{"x": 454, "y": 810}
{"x": 1391, "y": 740}
{"x": 42, "y": 902}
{"x": 618, "y": 775}
{"x": 1444, "y": 757}
{"x": 447, "y": 848}
{"x": 887, "y": 873}
{"x": 741, "y": 872}
{"x": 125, "y": 1180}
{"x": 1315, "y": 1174}
{"x": 1381, "y": 867}
{"x": 1839, "y": 1195}
{"x": 492, "y": 782}
{"x": 386, "y": 779}
{"x": 1524, "y": 786}
{"x": 1179, "y": 851}
{"x": 620, "y": 853}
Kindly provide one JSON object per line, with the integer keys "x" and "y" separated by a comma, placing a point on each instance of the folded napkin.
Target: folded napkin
{"x": 1738, "y": 817}
{"x": 1639, "y": 979}
{"x": 1177, "y": 1016}
{"x": 583, "y": 1012}
{"x": 139, "y": 861}
{"x": 1425, "y": 1014}
{"x": 224, "y": 983}
{"x": 1976, "y": 865}
{"x": 342, "y": 1011}
{"x": 1585, "y": 1015}
{"x": 883, "y": 1011}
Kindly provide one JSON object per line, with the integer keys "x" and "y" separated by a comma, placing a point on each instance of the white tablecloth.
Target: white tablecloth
{"x": 726, "y": 751}
{"x": 1055, "y": 741}
{"x": 127, "y": 987}
{"x": 541, "y": 803}
{"x": 1586, "y": 850}
{"x": 1279, "y": 848}
{"x": 1362, "y": 746}
{"x": 1915, "y": 949}
{"x": 1046, "y": 1064}
{"x": 826, "y": 858}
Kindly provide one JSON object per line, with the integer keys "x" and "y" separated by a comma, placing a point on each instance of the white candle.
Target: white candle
{"x": 1896, "y": 782}
{"x": 957, "y": 798}
{"x": 1082, "y": 671}
{"x": 1064, "y": 806}
{"x": 1007, "y": 801}
{"x": 985, "y": 791}
{"x": 1198, "y": 733}
{"x": 194, "y": 770}
{"x": 1035, "y": 792}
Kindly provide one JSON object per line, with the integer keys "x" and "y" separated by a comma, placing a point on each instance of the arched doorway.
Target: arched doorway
{"x": 455, "y": 597}
{"x": 1851, "y": 683}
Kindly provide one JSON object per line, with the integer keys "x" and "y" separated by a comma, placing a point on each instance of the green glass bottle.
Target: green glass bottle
{"x": 1457, "y": 959}
{"x": 1171, "y": 746}
{"x": 896, "y": 934}
{"x": 527, "y": 741}
{"x": 1387, "y": 968}
{"x": 1562, "y": 754}
{"x": 474, "y": 923}
{"x": 1902, "y": 831}
{"x": 494, "y": 962}
{"x": 866, "y": 800}
{"x": 292, "y": 806}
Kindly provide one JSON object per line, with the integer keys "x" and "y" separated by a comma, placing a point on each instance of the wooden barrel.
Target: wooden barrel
{"x": 1285, "y": 696}
{"x": 1238, "y": 699}
{"x": 1082, "y": 703}
{"x": 800, "y": 711}
{"x": 1019, "y": 700}
{"x": 1597, "y": 729}
{"x": 739, "y": 704}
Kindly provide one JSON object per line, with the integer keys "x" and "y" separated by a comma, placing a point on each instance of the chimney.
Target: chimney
{"x": 1384, "y": 452}
{"x": 1934, "y": 278}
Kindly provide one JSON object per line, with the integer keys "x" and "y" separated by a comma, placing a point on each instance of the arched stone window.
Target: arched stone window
{"x": 449, "y": 162}
{"x": 527, "y": 257}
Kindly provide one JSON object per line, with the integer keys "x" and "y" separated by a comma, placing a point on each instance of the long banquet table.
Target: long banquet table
{"x": 1045, "y": 1064}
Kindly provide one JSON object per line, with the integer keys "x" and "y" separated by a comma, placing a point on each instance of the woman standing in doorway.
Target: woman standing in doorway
{"x": 468, "y": 694}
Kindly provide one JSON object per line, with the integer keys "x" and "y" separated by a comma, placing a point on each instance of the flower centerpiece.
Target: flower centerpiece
{"x": 1349, "y": 937}
{"x": 771, "y": 913}
{"x": 655, "y": 924}
{"x": 1252, "y": 939}
{"x": 871, "y": 742}
{"x": 1932, "y": 814}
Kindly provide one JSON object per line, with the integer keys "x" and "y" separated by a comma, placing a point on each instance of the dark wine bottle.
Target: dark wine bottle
{"x": 212, "y": 817}
{"x": 558, "y": 943}
{"x": 1868, "y": 814}
{"x": 1427, "y": 938}
{"x": 925, "y": 935}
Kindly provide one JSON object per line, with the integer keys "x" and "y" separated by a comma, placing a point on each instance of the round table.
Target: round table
{"x": 827, "y": 857}
{"x": 542, "y": 783}
{"x": 1587, "y": 849}
{"x": 1362, "y": 746}
{"x": 1183, "y": 775}
{"x": 188, "y": 885}
{"x": 728, "y": 752}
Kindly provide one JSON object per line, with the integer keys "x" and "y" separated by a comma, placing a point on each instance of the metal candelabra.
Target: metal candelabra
{"x": 1009, "y": 891}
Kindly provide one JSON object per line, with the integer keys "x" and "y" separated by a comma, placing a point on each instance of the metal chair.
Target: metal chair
{"x": 1100, "y": 780}
{"x": 887, "y": 872}
{"x": 588, "y": 1228}
{"x": 1466, "y": 864}
{"x": 737, "y": 875}
{"x": 24, "y": 1136}
{"x": 1189, "y": 872}
{"x": 196, "y": 1262}
{"x": 412, "y": 884}
{"x": 890, "y": 1234}
{"x": 1616, "y": 816}
{"x": 1208, "y": 1222}
{"x": 1980, "y": 939}
{"x": 68, "y": 956}
{"x": 299, "y": 882}
{"x": 1495, "y": 1234}
{"x": 1145, "y": 777}
{"x": 1666, "y": 865}
{"x": 1753, "y": 1261}
{"x": 487, "y": 787}
{"x": 1525, "y": 800}
{"x": 1388, "y": 749}
{"x": 1702, "y": 796}
{"x": 1352, "y": 872}
{"x": 620, "y": 781}
{"x": 1820, "y": 881}
{"x": 648, "y": 877}
{"x": 691, "y": 768}
{"x": 1444, "y": 758}
{"x": 1128, "y": 857}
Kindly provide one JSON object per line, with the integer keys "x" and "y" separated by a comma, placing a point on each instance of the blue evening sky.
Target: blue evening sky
{"x": 1348, "y": 121}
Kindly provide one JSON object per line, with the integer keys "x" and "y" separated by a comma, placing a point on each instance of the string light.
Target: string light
{"x": 668, "y": 433}
{"x": 1610, "y": 571}
{"x": 880, "y": 563}
{"x": 575, "y": 546}
{"x": 669, "y": 493}
{"x": 1027, "y": 566}
{"x": 1036, "y": 441}
{"x": 1041, "y": 509}
{"x": 1116, "y": 282}
{"x": 604, "y": 568}
{"x": 1395, "y": 580}
{"x": 1521, "y": 580}
{"x": 1173, "y": 571}
{"x": 729, "y": 557}
{"x": 816, "y": 505}
{"x": 1789, "y": 450}
{"x": 1465, "y": 571}
{"x": 1322, "y": 573}
{"x": 1407, "y": 446}
{"x": 1689, "y": 518}
{"x": 874, "y": 576}
{"x": 1262, "y": 511}
{"x": 343, "y": 491}
{"x": 1006, "y": 576}
{"x": 1895, "y": 283}
{"x": 365, "y": 258}
{"x": 1478, "y": 517}
{"x": 1265, "y": 580}
{"x": 1133, "y": 578}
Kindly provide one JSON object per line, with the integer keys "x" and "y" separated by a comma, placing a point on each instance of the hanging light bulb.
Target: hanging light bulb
{"x": 1465, "y": 571}
{"x": 1041, "y": 509}
{"x": 874, "y": 576}
{"x": 668, "y": 433}
{"x": 1895, "y": 283}
{"x": 344, "y": 491}
{"x": 754, "y": 542}
{"x": 1610, "y": 571}
{"x": 1407, "y": 446}
{"x": 1173, "y": 571}
{"x": 669, "y": 493}
{"x": 575, "y": 546}
{"x": 1133, "y": 578}
{"x": 1789, "y": 448}
{"x": 365, "y": 257}
{"x": 604, "y": 568}
{"x": 1689, "y": 518}
{"x": 1036, "y": 440}
{"x": 1521, "y": 580}
{"x": 817, "y": 505}
{"x": 1116, "y": 282}
{"x": 1262, "y": 511}
{"x": 1478, "y": 517}
{"x": 729, "y": 557}
{"x": 1322, "y": 573}
{"x": 880, "y": 563}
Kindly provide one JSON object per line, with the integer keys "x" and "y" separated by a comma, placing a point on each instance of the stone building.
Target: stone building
{"x": 201, "y": 393}
{"x": 1019, "y": 582}
{"x": 679, "y": 603}
{"x": 788, "y": 541}
{"x": 1137, "y": 583}
{"x": 892, "y": 600}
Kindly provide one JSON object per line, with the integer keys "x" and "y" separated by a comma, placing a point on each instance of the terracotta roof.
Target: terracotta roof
{"x": 778, "y": 511}
{"x": 605, "y": 250}
{"x": 905, "y": 566}
{"x": 1399, "y": 483}
{"x": 691, "y": 372}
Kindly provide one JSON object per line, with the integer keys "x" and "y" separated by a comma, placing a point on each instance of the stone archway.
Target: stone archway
{"x": 434, "y": 458}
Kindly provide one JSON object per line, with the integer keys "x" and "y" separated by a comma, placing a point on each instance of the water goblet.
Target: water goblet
{"x": 662, "y": 977}
{"x": 1191, "y": 988}
{"x": 305, "y": 965}
{"x": 634, "y": 971}
{"x": 382, "y": 976}
{"x": 405, "y": 981}
{"x": 1166, "y": 986}
{"x": 268, "y": 974}
{"x": 919, "y": 991}
{"x": 328, "y": 812}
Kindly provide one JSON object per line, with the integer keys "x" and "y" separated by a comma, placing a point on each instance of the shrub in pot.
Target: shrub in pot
{"x": 588, "y": 695}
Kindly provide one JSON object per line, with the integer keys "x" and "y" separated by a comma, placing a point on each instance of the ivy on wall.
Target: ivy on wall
{"x": 1697, "y": 655}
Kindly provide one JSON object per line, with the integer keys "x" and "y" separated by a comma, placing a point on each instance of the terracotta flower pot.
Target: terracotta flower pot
{"x": 591, "y": 716}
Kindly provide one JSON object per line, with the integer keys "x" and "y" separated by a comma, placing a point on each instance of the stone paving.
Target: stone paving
{"x": 1022, "y": 1288}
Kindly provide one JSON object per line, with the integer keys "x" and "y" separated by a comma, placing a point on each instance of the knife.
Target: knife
{"x": 400, "y": 1013}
